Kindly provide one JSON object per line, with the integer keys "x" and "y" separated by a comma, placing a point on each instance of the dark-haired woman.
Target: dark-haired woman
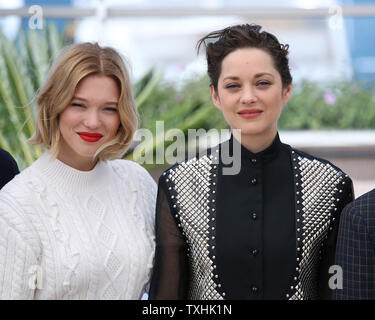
{"x": 268, "y": 231}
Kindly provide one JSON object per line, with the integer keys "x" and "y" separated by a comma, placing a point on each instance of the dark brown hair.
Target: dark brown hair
{"x": 219, "y": 44}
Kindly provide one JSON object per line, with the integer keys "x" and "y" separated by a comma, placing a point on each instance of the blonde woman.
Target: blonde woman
{"x": 78, "y": 224}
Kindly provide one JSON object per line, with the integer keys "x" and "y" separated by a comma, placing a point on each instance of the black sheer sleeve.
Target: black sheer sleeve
{"x": 170, "y": 275}
{"x": 329, "y": 247}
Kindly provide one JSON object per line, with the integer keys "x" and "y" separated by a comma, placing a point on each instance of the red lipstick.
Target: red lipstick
{"x": 90, "y": 136}
{"x": 250, "y": 113}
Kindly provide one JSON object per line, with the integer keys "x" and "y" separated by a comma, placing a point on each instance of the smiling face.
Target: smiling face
{"x": 89, "y": 121}
{"x": 250, "y": 93}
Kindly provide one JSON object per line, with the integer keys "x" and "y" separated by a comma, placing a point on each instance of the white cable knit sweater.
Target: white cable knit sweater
{"x": 69, "y": 234}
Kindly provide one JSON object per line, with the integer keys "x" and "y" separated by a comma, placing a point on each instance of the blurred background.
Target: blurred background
{"x": 332, "y": 58}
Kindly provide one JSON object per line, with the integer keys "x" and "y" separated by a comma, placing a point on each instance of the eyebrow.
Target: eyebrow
{"x": 258, "y": 75}
{"x": 84, "y": 100}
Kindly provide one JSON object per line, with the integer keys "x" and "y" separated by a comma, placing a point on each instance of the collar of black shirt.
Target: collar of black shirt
{"x": 265, "y": 155}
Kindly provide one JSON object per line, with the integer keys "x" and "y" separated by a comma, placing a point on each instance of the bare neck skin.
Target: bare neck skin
{"x": 75, "y": 161}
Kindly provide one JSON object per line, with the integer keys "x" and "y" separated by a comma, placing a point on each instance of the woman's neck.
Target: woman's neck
{"x": 255, "y": 143}
{"x": 69, "y": 179}
{"x": 76, "y": 162}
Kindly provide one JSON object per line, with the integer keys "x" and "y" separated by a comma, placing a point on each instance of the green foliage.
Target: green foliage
{"x": 23, "y": 67}
{"x": 340, "y": 105}
{"x": 187, "y": 108}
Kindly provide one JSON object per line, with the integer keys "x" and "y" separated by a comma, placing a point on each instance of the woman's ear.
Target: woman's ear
{"x": 215, "y": 98}
{"x": 287, "y": 93}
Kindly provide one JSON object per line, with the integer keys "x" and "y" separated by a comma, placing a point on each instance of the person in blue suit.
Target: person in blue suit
{"x": 355, "y": 251}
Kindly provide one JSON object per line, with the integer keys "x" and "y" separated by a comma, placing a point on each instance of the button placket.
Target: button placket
{"x": 254, "y": 251}
{"x": 254, "y": 289}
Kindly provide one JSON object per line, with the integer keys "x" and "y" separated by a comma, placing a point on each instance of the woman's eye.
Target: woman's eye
{"x": 111, "y": 109}
{"x": 263, "y": 83}
{"x": 231, "y": 86}
{"x": 77, "y": 105}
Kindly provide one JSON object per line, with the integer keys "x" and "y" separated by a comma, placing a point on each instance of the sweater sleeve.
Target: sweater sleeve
{"x": 148, "y": 195}
{"x": 20, "y": 273}
{"x": 141, "y": 181}
{"x": 149, "y": 192}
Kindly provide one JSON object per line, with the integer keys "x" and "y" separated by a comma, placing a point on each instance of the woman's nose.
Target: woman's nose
{"x": 92, "y": 119}
{"x": 248, "y": 96}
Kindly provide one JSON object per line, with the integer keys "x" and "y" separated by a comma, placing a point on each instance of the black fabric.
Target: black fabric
{"x": 8, "y": 168}
{"x": 256, "y": 225}
{"x": 170, "y": 274}
{"x": 329, "y": 246}
{"x": 356, "y": 249}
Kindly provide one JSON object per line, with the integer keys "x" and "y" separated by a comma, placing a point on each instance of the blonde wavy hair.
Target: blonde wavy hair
{"x": 75, "y": 63}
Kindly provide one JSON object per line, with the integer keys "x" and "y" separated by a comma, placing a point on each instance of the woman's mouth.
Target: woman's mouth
{"x": 250, "y": 113}
{"x": 90, "y": 136}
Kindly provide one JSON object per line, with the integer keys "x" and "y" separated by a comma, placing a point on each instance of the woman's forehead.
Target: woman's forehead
{"x": 252, "y": 61}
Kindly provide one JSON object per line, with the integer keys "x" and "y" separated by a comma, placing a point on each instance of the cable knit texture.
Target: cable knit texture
{"x": 69, "y": 234}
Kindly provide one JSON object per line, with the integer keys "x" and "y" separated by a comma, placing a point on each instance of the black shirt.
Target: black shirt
{"x": 235, "y": 236}
{"x": 8, "y": 168}
{"x": 256, "y": 225}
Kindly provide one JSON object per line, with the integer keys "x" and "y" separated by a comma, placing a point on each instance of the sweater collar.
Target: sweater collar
{"x": 55, "y": 172}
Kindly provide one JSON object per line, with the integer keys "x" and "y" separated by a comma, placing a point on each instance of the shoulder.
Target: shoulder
{"x": 311, "y": 157}
{"x": 193, "y": 165}
{"x": 19, "y": 193}
{"x": 359, "y": 216}
{"x": 319, "y": 161}
{"x": 135, "y": 176}
{"x": 363, "y": 206}
{"x": 127, "y": 167}
{"x": 18, "y": 199}
{"x": 19, "y": 185}
{"x": 367, "y": 199}
{"x": 6, "y": 159}
{"x": 22, "y": 191}
{"x": 312, "y": 167}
